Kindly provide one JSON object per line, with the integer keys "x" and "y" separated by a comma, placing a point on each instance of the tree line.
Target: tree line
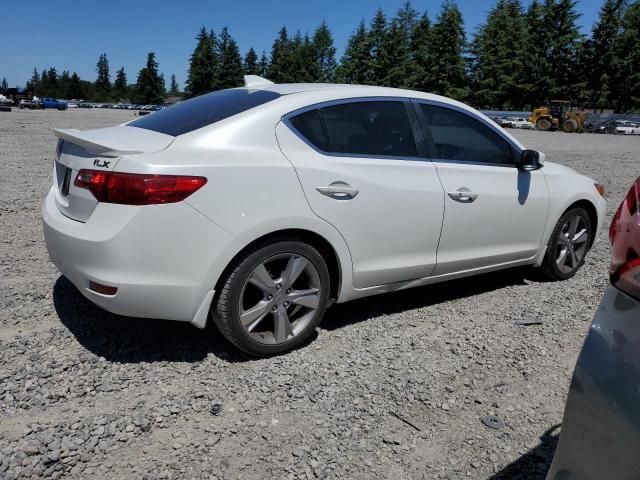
{"x": 518, "y": 58}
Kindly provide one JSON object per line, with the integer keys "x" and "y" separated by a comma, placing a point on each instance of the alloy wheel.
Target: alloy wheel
{"x": 572, "y": 243}
{"x": 279, "y": 298}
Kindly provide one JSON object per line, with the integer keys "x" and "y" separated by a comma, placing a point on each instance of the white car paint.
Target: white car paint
{"x": 522, "y": 123}
{"x": 401, "y": 230}
{"x": 628, "y": 128}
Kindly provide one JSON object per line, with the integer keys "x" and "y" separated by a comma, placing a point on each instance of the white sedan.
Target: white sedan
{"x": 522, "y": 123}
{"x": 261, "y": 206}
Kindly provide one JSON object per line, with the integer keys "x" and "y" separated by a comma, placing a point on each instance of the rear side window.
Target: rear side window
{"x": 457, "y": 136}
{"x": 204, "y": 110}
{"x": 380, "y": 128}
{"x": 309, "y": 124}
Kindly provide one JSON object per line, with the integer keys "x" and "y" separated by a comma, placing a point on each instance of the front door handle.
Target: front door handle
{"x": 463, "y": 195}
{"x": 339, "y": 191}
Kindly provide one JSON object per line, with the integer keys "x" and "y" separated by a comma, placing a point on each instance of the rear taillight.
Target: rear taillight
{"x": 624, "y": 234}
{"x": 137, "y": 189}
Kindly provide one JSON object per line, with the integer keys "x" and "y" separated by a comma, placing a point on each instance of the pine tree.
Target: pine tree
{"x": 561, "y": 19}
{"x": 304, "y": 59}
{"x": 448, "y": 46}
{"x": 602, "y": 58}
{"x": 397, "y": 48}
{"x": 324, "y": 53}
{"x": 120, "y": 86}
{"x": 42, "y": 89}
{"x": 76, "y": 88}
{"x": 536, "y": 60}
{"x": 378, "y": 64}
{"x": 63, "y": 85}
{"x": 354, "y": 65}
{"x": 149, "y": 88}
{"x": 4, "y": 86}
{"x": 499, "y": 57}
{"x": 173, "y": 86}
{"x": 263, "y": 65}
{"x": 203, "y": 65}
{"x": 628, "y": 52}
{"x": 103, "y": 82}
{"x": 34, "y": 81}
{"x": 51, "y": 83}
{"x": 230, "y": 74}
{"x": 281, "y": 67}
{"x": 250, "y": 63}
{"x": 422, "y": 56}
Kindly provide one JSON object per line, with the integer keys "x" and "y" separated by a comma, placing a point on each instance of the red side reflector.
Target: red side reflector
{"x": 138, "y": 189}
{"x": 102, "y": 289}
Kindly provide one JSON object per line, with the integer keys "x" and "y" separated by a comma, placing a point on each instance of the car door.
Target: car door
{"x": 361, "y": 171}
{"x": 495, "y": 213}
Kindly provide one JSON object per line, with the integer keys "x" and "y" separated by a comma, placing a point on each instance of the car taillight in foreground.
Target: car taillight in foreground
{"x": 624, "y": 234}
{"x": 138, "y": 189}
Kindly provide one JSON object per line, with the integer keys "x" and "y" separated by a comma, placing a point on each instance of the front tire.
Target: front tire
{"x": 568, "y": 245}
{"x": 543, "y": 124}
{"x": 274, "y": 298}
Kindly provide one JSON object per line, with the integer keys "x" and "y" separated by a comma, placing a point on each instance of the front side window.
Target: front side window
{"x": 371, "y": 128}
{"x": 458, "y": 136}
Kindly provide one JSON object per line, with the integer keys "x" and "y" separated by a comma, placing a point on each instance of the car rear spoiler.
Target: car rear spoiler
{"x": 93, "y": 144}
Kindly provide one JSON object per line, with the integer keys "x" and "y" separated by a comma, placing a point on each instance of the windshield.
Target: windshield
{"x": 204, "y": 110}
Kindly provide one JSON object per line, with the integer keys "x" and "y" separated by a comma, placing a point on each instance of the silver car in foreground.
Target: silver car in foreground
{"x": 600, "y": 436}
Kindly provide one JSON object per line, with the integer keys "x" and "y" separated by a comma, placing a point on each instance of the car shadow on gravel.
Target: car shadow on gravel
{"x": 534, "y": 464}
{"x": 356, "y": 311}
{"x": 133, "y": 340}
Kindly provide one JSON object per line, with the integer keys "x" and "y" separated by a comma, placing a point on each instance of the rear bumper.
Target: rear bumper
{"x": 164, "y": 259}
{"x": 600, "y": 435}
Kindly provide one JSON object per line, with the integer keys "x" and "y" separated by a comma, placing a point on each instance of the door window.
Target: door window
{"x": 458, "y": 136}
{"x": 379, "y": 128}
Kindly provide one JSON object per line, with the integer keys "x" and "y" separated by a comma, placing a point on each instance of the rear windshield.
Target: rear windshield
{"x": 204, "y": 110}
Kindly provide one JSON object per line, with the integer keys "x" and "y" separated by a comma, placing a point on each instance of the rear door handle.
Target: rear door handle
{"x": 339, "y": 191}
{"x": 463, "y": 195}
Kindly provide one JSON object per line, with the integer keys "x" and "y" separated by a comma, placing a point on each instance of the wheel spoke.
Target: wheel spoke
{"x": 295, "y": 266}
{"x": 563, "y": 239}
{"x": 252, "y": 317}
{"x": 574, "y": 259}
{"x": 581, "y": 237}
{"x": 307, "y": 298}
{"x": 282, "y": 326}
{"x": 260, "y": 278}
{"x": 562, "y": 258}
{"x": 573, "y": 226}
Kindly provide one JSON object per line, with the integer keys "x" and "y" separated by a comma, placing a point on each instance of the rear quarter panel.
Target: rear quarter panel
{"x": 252, "y": 190}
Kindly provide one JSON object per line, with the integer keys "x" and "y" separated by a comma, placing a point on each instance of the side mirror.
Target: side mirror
{"x": 531, "y": 160}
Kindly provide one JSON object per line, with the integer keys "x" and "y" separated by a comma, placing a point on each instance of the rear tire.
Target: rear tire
{"x": 570, "y": 125}
{"x": 273, "y": 298}
{"x": 568, "y": 245}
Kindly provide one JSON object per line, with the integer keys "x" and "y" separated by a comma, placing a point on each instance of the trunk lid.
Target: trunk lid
{"x": 98, "y": 149}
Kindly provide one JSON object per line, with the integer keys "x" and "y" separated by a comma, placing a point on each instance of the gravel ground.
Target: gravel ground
{"x": 392, "y": 386}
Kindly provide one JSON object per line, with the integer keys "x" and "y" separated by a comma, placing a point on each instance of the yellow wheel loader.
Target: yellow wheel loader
{"x": 558, "y": 115}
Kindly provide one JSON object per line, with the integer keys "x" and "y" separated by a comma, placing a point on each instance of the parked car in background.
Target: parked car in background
{"x": 72, "y": 105}
{"x": 628, "y": 128}
{"x": 520, "y": 122}
{"x": 53, "y": 103}
{"x": 600, "y": 435}
{"x": 25, "y": 104}
{"x": 356, "y": 191}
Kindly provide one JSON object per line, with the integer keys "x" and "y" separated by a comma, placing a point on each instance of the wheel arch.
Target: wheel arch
{"x": 319, "y": 242}
{"x": 593, "y": 215}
